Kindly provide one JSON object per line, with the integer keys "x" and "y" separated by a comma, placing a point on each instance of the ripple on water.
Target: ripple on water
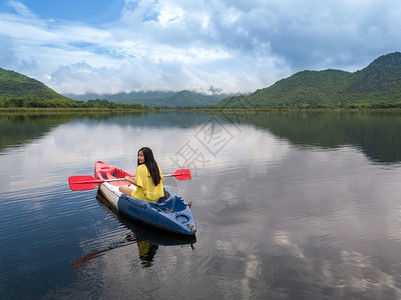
{"x": 294, "y": 222}
{"x": 234, "y": 218}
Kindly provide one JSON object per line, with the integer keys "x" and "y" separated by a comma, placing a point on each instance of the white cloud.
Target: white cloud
{"x": 231, "y": 45}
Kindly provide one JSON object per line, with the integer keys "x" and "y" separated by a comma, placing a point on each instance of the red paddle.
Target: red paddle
{"x": 88, "y": 182}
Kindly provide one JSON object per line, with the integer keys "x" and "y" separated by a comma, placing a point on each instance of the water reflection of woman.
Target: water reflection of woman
{"x": 148, "y": 178}
{"x": 147, "y": 252}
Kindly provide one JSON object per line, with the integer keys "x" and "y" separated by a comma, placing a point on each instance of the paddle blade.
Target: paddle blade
{"x": 182, "y": 174}
{"x": 83, "y": 182}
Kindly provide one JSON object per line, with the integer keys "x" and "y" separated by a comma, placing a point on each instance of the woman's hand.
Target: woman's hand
{"x": 130, "y": 179}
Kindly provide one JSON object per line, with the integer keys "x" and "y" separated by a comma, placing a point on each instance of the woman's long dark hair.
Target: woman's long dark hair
{"x": 151, "y": 163}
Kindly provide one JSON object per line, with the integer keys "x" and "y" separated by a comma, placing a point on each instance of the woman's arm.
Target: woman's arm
{"x": 130, "y": 179}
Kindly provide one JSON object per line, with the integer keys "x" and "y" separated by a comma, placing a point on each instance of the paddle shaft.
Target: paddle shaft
{"x": 110, "y": 180}
{"x": 100, "y": 180}
{"x": 87, "y": 182}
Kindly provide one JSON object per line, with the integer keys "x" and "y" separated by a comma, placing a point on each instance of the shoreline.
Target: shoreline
{"x": 23, "y": 110}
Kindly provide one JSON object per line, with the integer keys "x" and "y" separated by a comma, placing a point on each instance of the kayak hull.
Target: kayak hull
{"x": 171, "y": 213}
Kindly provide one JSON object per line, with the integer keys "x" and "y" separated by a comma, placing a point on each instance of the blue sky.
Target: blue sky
{"x": 95, "y": 12}
{"x": 226, "y": 45}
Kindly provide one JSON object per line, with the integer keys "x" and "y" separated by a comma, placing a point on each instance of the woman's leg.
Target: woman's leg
{"x": 126, "y": 190}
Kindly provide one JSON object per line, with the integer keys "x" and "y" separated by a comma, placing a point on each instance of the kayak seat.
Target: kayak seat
{"x": 169, "y": 204}
{"x": 163, "y": 199}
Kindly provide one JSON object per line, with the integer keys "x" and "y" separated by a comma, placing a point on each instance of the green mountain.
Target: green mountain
{"x": 164, "y": 99}
{"x": 377, "y": 85}
{"x": 148, "y": 98}
{"x": 15, "y": 85}
{"x": 191, "y": 99}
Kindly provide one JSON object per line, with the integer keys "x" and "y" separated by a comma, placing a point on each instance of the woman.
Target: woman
{"x": 148, "y": 178}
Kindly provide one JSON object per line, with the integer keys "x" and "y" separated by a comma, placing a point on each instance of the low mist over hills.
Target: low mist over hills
{"x": 376, "y": 86}
{"x": 166, "y": 99}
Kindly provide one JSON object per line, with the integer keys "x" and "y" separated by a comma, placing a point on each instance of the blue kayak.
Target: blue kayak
{"x": 170, "y": 213}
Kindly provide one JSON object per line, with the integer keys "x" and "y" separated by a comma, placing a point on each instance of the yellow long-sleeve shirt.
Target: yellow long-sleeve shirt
{"x": 145, "y": 188}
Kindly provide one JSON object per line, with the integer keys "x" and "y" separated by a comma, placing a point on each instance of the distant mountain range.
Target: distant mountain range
{"x": 164, "y": 99}
{"x": 377, "y": 85}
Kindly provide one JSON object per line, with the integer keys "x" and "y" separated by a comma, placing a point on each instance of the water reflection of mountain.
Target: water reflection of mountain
{"x": 177, "y": 119}
{"x": 147, "y": 240}
{"x": 17, "y": 130}
{"x": 377, "y": 134}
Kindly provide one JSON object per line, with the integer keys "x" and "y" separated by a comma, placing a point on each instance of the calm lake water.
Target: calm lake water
{"x": 292, "y": 205}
